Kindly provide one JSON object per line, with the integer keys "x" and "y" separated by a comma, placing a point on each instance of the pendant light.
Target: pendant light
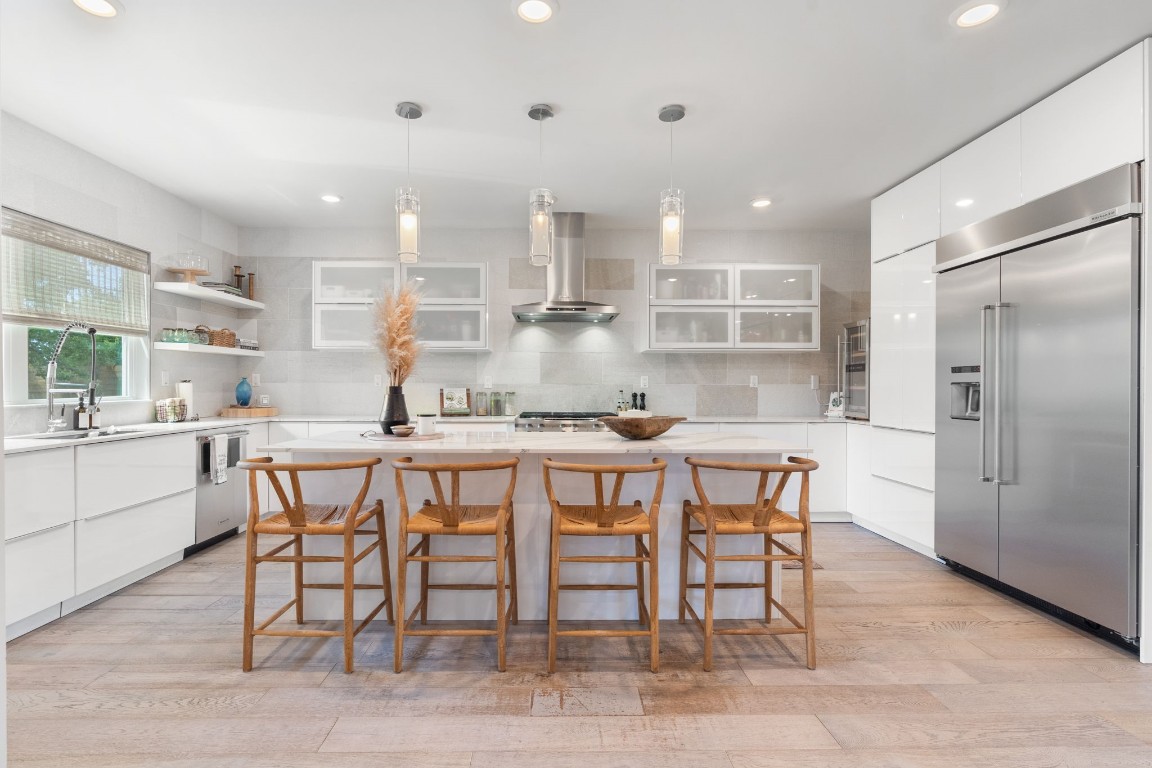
{"x": 408, "y": 198}
{"x": 671, "y": 200}
{"x": 540, "y": 202}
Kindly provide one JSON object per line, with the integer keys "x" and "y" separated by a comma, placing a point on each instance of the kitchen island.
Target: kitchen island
{"x": 532, "y": 514}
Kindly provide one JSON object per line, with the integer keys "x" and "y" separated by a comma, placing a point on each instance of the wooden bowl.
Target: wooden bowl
{"x": 402, "y": 431}
{"x": 640, "y": 427}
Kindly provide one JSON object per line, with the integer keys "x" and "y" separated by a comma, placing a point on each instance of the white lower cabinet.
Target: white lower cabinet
{"x": 119, "y": 474}
{"x": 903, "y": 514}
{"x": 828, "y": 492}
{"x": 905, "y": 457}
{"x": 114, "y": 544}
{"x": 858, "y": 472}
{"x": 39, "y": 571}
{"x": 39, "y": 491}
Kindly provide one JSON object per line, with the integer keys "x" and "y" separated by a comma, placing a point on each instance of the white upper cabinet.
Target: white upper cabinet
{"x": 352, "y": 282}
{"x": 903, "y": 353}
{"x": 687, "y": 284}
{"x": 981, "y": 179}
{"x": 787, "y": 285}
{"x": 449, "y": 283}
{"x": 907, "y": 215}
{"x": 1087, "y": 127}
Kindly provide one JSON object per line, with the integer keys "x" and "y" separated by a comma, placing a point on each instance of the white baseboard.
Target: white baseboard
{"x": 35, "y": 621}
{"x": 92, "y": 595}
{"x": 831, "y": 517}
{"x": 903, "y": 541}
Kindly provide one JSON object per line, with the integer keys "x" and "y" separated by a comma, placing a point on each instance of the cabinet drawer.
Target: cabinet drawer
{"x": 112, "y": 545}
{"x": 906, "y": 457}
{"x": 39, "y": 571}
{"x": 903, "y": 513}
{"x": 39, "y": 491}
{"x": 127, "y": 472}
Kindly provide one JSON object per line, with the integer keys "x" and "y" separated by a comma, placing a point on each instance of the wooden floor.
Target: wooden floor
{"x": 917, "y": 667}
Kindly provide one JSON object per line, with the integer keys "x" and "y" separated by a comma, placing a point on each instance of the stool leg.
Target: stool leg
{"x": 298, "y": 578}
{"x": 654, "y": 600}
{"x": 349, "y": 595}
{"x": 401, "y": 590}
{"x": 809, "y": 599}
{"x": 641, "y": 609}
{"x": 425, "y": 567}
{"x": 684, "y": 520}
{"x": 385, "y": 576}
{"x": 515, "y": 603}
{"x": 249, "y": 599}
{"x": 767, "y": 580}
{"x": 501, "y": 616}
{"x": 709, "y": 594}
{"x": 553, "y": 591}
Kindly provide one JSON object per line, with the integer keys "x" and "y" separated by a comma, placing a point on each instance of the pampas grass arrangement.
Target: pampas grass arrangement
{"x": 395, "y": 320}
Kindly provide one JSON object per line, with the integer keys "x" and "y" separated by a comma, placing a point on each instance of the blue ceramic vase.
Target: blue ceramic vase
{"x": 243, "y": 393}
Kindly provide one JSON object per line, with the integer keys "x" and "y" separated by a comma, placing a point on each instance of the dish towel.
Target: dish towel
{"x": 220, "y": 458}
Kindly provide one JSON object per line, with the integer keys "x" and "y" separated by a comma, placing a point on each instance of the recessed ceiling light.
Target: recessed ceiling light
{"x": 761, "y": 202}
{"x": 965, "y": 202}
{"x": 975, "y": 14}
{"x": 105, "y": 9}
{"x": 331, "y": 198}
{"x": 535, "y": 11}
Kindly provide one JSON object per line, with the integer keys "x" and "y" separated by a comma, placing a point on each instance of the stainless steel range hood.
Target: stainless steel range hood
{"x": 565, "y": 280}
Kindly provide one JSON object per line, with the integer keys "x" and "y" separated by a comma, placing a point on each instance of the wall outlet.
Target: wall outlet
{"x": 164, "y": 381}
{"x": 378, "y": 380}
{"x": 814, "y": 381}
{"x": 753, "y": 380}
{"x": 643, "y": 381}
{"x": 487, "y": 382}
{"x": 255, "y": 379}
{"x": 265, "y": 399}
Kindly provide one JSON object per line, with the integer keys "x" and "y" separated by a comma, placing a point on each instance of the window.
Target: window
{"x": 54, "y": 276}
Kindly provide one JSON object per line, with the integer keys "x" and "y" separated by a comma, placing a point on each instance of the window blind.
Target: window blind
{"x": 54, "y": 275}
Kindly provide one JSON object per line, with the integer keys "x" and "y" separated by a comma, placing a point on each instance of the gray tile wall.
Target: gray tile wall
{"x": 552, "y": 366}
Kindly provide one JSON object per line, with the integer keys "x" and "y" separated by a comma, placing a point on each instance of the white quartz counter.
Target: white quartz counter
{"x": 536, "y": 442}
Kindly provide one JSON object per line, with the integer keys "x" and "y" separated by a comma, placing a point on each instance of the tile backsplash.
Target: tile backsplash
{"x": 552, "y": 366}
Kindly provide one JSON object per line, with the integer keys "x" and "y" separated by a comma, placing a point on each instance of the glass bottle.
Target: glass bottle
{"x": 482, "y": 403}
{"x": 496, "y": 403}
{"x": 509, "y": 403}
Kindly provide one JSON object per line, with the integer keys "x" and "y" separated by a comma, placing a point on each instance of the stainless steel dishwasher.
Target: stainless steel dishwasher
{"x": 220, "y": 507}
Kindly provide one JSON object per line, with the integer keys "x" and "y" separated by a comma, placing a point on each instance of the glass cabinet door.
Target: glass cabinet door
{"x": 458, "y": 327}
{"x": 352, "y": 281}
{"x": 347, "y": 326}
{"x": 778, "y": 284}
{"x": 690, "y": 284}
{"x": 778, "y": 328}
{"x": 449, "y": 283}
{"x": 690, "y": 328}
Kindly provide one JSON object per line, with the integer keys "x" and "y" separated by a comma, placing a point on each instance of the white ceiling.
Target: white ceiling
{"x": 253, "y": 108}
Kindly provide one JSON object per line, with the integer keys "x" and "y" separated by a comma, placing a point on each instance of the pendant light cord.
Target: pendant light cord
{"x": 540, "y": 156}
{"x": 409, "y": 126}
{"x": 670, "y": 155}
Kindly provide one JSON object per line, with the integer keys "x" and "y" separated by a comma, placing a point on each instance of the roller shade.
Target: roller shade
{"x": 54, "y": 275}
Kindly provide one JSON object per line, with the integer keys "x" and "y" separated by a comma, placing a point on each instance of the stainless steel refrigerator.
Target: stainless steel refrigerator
{"x": 1036, "y": 402}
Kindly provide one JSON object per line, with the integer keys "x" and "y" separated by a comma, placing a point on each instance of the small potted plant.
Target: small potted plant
{"x": 395, "y": 320}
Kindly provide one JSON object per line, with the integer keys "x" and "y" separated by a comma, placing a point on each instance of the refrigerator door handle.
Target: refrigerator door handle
{"x": 981, "y": 457}
{"x": 998, "y": 382}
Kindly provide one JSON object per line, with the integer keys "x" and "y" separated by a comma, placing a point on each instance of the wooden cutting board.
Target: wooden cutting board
{"x": 241, "y": 412}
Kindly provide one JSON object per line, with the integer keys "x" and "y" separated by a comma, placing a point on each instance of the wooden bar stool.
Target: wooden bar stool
{"x": 300, "y": 519}
{"x": 448, "y": 516}
{"x": 607, "y": 519}
{"x": 763, "y": 517}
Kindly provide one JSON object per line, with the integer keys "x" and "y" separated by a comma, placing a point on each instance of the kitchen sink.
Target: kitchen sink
{"x": 80, "y": 434}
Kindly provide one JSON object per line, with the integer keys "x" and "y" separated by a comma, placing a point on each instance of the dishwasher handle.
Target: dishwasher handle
{"x": 235, "y": 451}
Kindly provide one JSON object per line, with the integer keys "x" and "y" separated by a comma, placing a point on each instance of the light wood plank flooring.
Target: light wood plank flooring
{"x": 917, "y": 667}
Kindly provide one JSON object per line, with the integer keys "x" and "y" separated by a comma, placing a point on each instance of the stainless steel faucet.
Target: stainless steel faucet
{"x": 59, "y": 422}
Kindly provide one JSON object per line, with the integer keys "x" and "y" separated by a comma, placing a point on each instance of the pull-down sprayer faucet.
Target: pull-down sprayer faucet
{"x": 59, "y": 422}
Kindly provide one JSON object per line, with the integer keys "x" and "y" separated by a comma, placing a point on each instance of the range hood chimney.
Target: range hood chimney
{"x": 565, "y": 280}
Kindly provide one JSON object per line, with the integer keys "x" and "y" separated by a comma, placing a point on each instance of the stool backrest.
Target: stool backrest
{"x": 765, "y": 505}
{"x": 450, "y": 507}
{"x": 606, "y": 512}
{"x": 294, "y": 507}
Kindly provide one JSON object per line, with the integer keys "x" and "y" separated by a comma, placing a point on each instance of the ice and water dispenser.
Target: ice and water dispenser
{"x": 966, "y": 394}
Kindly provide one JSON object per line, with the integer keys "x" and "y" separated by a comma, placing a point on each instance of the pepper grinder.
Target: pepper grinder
{"x": 643, "y": 407}
{"x": 635, "y": 406}
{"x": 238, "y": 275}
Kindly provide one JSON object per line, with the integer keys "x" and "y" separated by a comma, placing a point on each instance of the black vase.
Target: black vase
{"x": 395, "y": 411}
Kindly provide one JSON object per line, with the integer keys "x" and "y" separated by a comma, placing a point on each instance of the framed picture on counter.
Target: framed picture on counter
{"x": 456, "y": 402}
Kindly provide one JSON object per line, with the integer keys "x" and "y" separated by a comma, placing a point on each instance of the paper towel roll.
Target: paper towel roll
{"x": 184, "y": 390}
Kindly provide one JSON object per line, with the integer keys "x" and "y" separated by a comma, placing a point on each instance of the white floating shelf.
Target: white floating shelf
{"x": 207, "y": 349}
{"x": 197, "y": 291}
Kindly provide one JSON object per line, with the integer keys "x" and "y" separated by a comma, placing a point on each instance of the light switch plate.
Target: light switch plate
{"x": 487, "y": 382}
{"x": 164, "y": 381}
{"x": 265, "y": 400}
{"x": 814, "y": 381}
{"x": 378, "y": 380}
{"x": 753, "y": 380}
{"x": 255, "y": 379}
{"x": 643, "y": 381}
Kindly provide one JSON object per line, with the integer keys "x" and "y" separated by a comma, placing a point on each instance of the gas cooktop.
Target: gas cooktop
{"x": 564, "y": 414}
{"x": 561, "y": 421}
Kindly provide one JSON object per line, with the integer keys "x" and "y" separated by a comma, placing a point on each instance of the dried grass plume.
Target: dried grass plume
{"x": 395, "y": 320}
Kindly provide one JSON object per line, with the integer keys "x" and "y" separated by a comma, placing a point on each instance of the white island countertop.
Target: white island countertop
{"x": 535, "y": 442}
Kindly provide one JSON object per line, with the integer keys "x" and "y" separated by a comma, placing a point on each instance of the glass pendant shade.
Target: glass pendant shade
{"x": 540, "y": 227}
{"x": 671, "y": 226}
{"x": 408, "y": 224}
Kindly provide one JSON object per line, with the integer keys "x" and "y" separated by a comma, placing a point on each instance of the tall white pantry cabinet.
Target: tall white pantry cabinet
{"x": 1093, "y": 124}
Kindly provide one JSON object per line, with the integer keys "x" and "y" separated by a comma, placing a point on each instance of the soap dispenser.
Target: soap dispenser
{"x": 80, "y": 414}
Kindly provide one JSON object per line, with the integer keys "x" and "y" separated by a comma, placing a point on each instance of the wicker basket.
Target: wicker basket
{"x": 222, "y": 338}
{"x": 171, "y": 410}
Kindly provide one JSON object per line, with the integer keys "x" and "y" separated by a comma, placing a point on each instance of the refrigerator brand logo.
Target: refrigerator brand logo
{"x": 1104, "y": 215}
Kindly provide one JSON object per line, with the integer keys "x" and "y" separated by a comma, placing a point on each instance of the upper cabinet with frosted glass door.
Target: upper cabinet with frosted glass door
{"x": 777, "y": 306}
{"x": 690, "y": 284}
{"x": 453, "y": 311}
{"x": 343, "y": 293}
